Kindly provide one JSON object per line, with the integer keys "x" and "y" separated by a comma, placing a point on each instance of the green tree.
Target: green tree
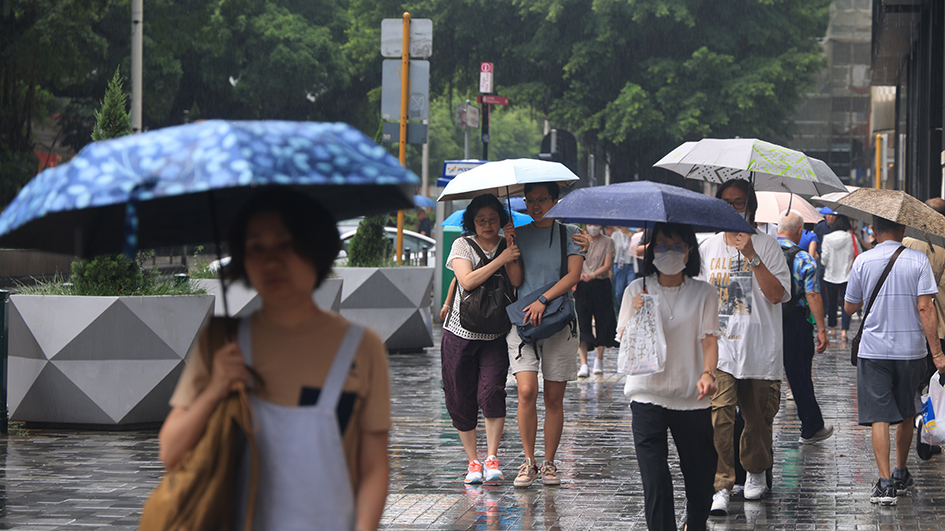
{"x": 368, "y": 247}
{"x": 113, "y": 120}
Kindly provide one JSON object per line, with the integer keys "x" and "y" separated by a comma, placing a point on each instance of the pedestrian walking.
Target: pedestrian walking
{"x": 593, "y": 301}
{"x": 806, "y": 305}
{"x": 314, "y": 375}
{"x": 475, "y": 364}
{"x": 821, "y": 230}
{"x": 838, "y": 251}
{"x": 624, "y": 259}
{"x": 936, "y": 256}
{"x": 676, "y": 399}
{"x": 752, "y": 280}
{"x": 891, "y": 357}
{"x": 540, "y": 245}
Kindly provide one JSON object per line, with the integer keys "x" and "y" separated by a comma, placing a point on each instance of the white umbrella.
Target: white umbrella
{"x": 506, "y": 178}
{"x": 768, "y": 166}
{"x": 772, "y": 204}
{"x": 830, "y": 200}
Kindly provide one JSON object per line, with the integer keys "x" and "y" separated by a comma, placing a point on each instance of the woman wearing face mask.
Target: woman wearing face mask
{"x": 593, "y": 300}
{"x": 677, "y": 399}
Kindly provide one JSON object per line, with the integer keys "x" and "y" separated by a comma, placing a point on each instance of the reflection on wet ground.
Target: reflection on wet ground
{"x": 52, "y": 480}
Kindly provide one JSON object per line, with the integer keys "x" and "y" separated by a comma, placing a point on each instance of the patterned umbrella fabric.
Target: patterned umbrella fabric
{"x": 768, "y": 166}
{"x": 772, "y": 204}
{"x": 161, "y": 188}
{"x": 636, "y": 204}
{"x": 921, "y": 221}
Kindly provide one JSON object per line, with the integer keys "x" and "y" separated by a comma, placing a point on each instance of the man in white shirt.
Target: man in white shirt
{"x": 752, "y": 278}
{"x": 890, "y": 360}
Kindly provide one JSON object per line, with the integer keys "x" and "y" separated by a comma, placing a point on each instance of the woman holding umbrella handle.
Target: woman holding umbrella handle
{"x": 314, "y": 374}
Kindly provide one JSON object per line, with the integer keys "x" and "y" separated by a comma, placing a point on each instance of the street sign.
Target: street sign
{"x": 485, "y": 78}
{"x": 416, "y": 133}
{"x": 392, "y": 37}
{"x": 487, "y": 99}
{"x": 418, "y": 108}
{"x": 452, "y": 168}
{"x": 472, "y": 117}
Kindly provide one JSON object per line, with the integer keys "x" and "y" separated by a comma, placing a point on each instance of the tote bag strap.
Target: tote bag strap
{"x": 879, "y": 285}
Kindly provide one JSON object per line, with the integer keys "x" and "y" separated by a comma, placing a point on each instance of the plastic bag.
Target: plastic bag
{"x": 643, "y": 346}
{"x": 933, "y": 410}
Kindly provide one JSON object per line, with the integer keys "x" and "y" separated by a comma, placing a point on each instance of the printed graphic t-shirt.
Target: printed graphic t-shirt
{"x": 751, "y": 345}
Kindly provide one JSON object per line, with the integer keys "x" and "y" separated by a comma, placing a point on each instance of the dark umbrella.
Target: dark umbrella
{"x": 641, "y": 203}
{"x": 179, "y": 185}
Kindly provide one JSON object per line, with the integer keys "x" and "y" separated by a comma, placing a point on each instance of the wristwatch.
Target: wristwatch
{"x": 755, "y": 262}
{"x": 542, "y": 299}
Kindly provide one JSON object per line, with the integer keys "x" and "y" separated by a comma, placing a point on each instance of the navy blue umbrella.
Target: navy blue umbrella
{"x": 642, "y": 203}
{"x": 180, "y": 185}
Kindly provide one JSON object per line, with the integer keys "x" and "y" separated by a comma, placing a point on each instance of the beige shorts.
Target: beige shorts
{"x": 557, "y": 362}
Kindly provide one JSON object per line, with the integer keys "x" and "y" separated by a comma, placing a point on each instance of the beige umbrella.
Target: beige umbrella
{"x": 772, "y": 204}
{"x": 921, "y": 221}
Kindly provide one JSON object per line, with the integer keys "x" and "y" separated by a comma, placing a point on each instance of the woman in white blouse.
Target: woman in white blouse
{"x": 677, "y": 399}
{"x": 838, "y": 250}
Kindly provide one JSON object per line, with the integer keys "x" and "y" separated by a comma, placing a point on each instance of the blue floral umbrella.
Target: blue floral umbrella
{"x": 179, "y": 185}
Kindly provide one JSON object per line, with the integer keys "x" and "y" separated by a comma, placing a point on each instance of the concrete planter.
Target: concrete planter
{"x": 395, "y": 302}
{"x": 243, "y": 300}
{"x": 99, "y": 361}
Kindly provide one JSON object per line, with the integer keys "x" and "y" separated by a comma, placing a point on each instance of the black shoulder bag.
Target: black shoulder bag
{"x": 482, "y": 309}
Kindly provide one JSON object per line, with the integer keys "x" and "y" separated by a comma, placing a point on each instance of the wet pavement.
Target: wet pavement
{"x": 53, "y": 480}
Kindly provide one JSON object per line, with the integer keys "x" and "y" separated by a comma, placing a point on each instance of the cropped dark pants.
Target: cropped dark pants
{"x": 595, "y": 299}
{"x": 474, "y": 375}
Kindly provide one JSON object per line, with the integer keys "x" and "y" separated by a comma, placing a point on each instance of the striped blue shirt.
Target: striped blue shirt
{"x": 893, "y": 329}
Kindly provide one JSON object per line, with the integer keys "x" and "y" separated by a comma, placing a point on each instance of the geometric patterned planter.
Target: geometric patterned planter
{"x": 99, "y": 361}
{"x": 393, "y": 301}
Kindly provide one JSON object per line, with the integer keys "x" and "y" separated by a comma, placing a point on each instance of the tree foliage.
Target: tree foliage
{"x": 113, "y": 120}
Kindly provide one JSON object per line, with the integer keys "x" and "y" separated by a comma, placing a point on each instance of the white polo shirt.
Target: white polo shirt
{"x": 893, "y": 329}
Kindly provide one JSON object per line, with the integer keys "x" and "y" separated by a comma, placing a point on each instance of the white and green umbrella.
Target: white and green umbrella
{"x": 767, "y": 166}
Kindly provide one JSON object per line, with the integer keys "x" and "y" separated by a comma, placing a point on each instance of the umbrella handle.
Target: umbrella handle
{"x": 215, "y": 225}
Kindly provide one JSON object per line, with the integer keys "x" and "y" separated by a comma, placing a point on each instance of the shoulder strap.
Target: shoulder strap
{"x": 449, "y": 312}
{"x": 564, "y": 248}
{"x": 335, "y": 381}
{"x": 879, "y": 285}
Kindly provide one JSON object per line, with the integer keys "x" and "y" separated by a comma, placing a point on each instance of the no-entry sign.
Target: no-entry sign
{"x": 485, "y": 78}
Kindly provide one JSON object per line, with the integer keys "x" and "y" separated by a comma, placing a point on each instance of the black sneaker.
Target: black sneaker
{"x": 903, "y": 480}
{"x": 883, "y": 495}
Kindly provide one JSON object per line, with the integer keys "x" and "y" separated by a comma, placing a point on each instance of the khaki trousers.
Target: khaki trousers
{"x": 758, "y": 401}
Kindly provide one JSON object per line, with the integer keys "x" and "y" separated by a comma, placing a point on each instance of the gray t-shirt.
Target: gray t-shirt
{"x": 541, "y": 254}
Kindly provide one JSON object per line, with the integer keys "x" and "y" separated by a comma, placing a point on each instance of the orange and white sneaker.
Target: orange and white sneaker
{"x": 474, "y": 472}
{"x": 492, "y": 473}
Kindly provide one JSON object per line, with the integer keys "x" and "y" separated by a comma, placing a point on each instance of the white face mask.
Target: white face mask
{"x": 593, "y": 230}
{"x": 669, "y": 263}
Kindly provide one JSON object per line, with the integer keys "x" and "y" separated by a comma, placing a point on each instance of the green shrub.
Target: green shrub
{"x": 369, "y": 247}
{"x": 112, "y": 276}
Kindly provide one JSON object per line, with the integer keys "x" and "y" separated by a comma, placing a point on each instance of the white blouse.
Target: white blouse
{"x": 837, "y": 255}
{"x": 694, "y": 306}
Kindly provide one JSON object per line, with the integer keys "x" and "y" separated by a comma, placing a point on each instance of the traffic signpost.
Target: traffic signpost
{"x": 487, "y": 85}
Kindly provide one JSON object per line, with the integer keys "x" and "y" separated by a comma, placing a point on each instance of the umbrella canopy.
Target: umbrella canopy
{"x": 636, "y": 204}
{"x": 895, "y": 205}
{"x": 772, "y": 204}
{"x": 830, "y": 200}
{"x": 423, "y": 201}
{"x": 456, "y": 219}
{"x": 166, "y": 184}
{"x": 768, "y": 166}
{"x": 506, "y": 178}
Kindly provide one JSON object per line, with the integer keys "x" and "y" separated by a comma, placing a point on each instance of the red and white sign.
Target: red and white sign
{"x": 488, "y": 99}
{"x": 485, "y": 78}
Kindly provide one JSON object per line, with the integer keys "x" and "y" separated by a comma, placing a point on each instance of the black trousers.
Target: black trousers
{"x": 595, "y": 299}
{"x": 798, "y": 361}
{"x": 692, "y": 434}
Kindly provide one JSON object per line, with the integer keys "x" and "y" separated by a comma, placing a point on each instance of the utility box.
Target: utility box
{"x": 450, "y": 234}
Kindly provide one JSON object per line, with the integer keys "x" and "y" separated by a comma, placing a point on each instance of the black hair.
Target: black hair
{"x": 313, "y": 229}
{"x": 477, "y": 204}
{"x": 687, "y": 235}
{"x": 751, "y": 204}
{"x": 883, "y": 225}
{"x": 842, "y": 223}
{"x": 553, "y": 189}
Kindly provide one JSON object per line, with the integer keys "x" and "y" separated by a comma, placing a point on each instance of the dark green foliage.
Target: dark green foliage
{"x": 16, "y": 169}
{"x": 369, "y": 247}
{"x": 113, "y": 120}
{"x": 112, "y": 275}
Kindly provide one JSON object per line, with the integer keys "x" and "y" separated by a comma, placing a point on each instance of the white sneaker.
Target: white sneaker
{"x": 474, "y": 473}
{"x": 756, "y": 485}
{"x": 583, "y": 372}
{"x": 720, "y": 503}
{"x": 492, "y": 474}
{"x": 598, "y": 366}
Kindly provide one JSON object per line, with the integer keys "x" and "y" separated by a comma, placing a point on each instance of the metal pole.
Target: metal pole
{"x": 404, "y": 100}
{"x": 590, "y": 170}
{"x": 137, "y": 45}
{"x": 4, "y": 354}
{"x": 466, "y": 134}
{"x": 485, "y": 131}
